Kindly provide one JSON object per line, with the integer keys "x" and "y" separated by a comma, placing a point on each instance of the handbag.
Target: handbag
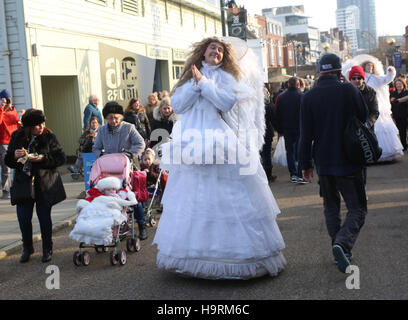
{"x": 360, "y": 143}
{"x": 22, "y": 189}
{"x": 279, "y": 157}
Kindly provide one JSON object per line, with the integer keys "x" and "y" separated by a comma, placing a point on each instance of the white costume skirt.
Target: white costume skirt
{"x": 388, "y": 139}
{"x": 217, "y": 224}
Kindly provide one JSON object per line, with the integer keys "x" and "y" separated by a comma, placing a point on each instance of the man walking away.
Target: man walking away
{"x": 325, "y": 111}
{"x": 288, "y": 112}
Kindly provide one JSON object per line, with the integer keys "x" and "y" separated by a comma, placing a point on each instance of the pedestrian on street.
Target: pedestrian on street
{"x": 357, "y": 78}
{"x": 35, "y": 153}
{"x": 153, "y": 102}
{"x": 288, "y": 113}
{"x": 224, "y": 226}
{"x": 91, "y": 110}
{"x": 163, "y": 118}
{"x": 119, "y": 136}
{"x": 270, "y": 123}
{"x": 9, "y": 122}
{"x": 325, "y": 111}
{"x": 400, "y": 109}
{"x": 136, "y": 114}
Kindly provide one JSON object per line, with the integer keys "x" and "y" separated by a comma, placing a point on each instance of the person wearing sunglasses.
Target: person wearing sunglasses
{"x": 357, "y": 78}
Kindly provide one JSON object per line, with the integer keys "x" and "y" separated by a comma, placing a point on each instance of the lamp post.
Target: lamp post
{"x": 326, "y": 47}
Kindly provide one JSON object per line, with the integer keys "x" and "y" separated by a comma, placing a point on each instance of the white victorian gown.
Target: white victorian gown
{"x": 219, "y": 214}
{"x": 385, "y": 128}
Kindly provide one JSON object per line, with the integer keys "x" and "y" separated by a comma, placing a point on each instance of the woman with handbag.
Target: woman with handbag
{"x": 35, "y": 153}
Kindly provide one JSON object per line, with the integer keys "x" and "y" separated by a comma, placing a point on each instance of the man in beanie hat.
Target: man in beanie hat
{"x": 9, "y": 123}
{"x": 119, "y": 136}
{"x": 357, "y": 78}
{"x": 324, "y": 115}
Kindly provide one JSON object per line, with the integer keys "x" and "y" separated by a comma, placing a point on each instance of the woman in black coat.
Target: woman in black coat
{"x": 400, "y": 109}
{"x": 135, "y": 114}
{"x": 35, "y": 153}
{"x": 163, "y": 118}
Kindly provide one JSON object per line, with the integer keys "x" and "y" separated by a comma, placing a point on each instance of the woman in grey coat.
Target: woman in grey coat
{"x": 119, "y": 136}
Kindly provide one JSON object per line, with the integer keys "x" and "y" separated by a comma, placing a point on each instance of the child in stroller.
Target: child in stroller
{"x": 106, "y": 216}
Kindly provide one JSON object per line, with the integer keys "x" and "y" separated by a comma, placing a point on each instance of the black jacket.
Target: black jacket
{"x": 288, "y": 110}
{"x": 270, "y": 122}
{"x": 140, "y": 121}
{"x": 325, "y": 111}
{"x": 399, "y": 110}
{"x": 46, "y": 176}
{"x": 370, "y": 98}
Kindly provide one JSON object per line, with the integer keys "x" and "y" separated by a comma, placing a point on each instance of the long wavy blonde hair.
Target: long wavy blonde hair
{"x": 196, "y": 57}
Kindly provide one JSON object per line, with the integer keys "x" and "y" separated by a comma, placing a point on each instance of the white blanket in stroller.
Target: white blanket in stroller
{"x": 96, "y": 219}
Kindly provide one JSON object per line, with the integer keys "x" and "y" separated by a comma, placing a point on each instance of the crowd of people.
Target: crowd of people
{"x": 219, "y": 91}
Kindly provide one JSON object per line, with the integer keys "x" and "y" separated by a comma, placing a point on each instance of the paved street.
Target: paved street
{"x": 380, "y": 253}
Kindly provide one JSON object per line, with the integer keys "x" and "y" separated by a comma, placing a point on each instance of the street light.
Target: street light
{"x": 326, "y": 46}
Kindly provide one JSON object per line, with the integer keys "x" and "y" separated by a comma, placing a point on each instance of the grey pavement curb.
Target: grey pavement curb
{"x": 14, "y": 247}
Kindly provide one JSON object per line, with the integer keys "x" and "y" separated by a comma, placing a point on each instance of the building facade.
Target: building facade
{"x": 348, "y": 21}
{"x": 298, "y": 31}
{"x": 56, "y": 53}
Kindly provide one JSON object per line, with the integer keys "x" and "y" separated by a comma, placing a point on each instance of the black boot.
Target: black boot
{"x": 47, "y": 253}
{"x": 27, "y": 251}
{"x": 142, "y": 231}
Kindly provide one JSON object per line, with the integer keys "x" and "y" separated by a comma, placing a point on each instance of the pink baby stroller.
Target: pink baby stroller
{"x": 112, "y": 165}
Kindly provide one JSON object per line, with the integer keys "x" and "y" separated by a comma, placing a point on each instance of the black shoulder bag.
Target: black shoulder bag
{"x": 360, "y": 143}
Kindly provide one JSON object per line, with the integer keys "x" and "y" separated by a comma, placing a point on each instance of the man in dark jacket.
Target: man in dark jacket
{"x": 357, "y": 78}
{"x": 91, "y": 110}
{"x": 270, "y": 123}
{"x": 288, "y": 112}
{"x": 325, "y": 111}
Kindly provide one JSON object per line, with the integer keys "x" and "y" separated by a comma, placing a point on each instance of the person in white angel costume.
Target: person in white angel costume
{"x": 385, "y": 128}
{"x": 219, "y": 214}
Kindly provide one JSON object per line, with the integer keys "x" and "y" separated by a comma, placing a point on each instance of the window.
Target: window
{"x": 177, "y": 70}
{"x": 134, "y": 7}
{"x": 271, "y": 53}
{"x": 101, "y": 2}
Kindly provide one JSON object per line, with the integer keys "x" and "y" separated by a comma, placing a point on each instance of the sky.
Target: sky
{"x": 392, "y": 15}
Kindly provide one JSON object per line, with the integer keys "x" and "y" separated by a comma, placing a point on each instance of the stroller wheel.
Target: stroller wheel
{"x": 77, "y": 258}
{"x": 85, "y": 258}
{"x": 114, "y": 259}
{"x": 122, "y": 257}
{"x": 152, "y": 221}
{"x": 75, "y": 176}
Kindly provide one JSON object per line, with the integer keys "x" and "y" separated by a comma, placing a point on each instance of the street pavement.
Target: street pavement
{"x": 380, "y": 253}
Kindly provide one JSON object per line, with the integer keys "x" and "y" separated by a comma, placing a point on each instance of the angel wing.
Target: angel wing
{"x": 248, "y": 115}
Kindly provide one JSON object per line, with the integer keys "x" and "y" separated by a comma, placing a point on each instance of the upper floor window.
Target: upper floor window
{"x": 101, "y": 2}
{"x": 135, "y": 7}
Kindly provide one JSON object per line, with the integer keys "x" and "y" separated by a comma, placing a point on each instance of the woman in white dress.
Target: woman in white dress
{"x": 219, "y": 214}
{"x": 385, "y": 128}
